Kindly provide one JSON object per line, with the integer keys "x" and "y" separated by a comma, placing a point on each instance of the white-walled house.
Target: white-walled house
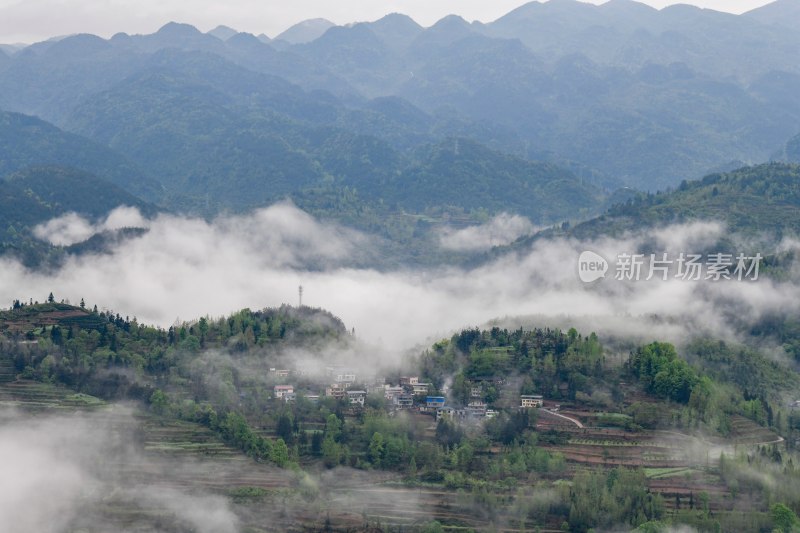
{"x": 530, "y": 400}
{"x": 282, "y": 390}
{"x": 357, "y": 397}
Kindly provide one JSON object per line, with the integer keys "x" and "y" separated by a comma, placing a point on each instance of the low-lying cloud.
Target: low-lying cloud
{"x": 71, "y": 228}
{"x": 60, "y": 472}
{"x": 186, "y": 267}
{"x": 500, "y": 231}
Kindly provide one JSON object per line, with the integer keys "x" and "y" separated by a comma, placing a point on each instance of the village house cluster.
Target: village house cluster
{"x": 407, "y": 393}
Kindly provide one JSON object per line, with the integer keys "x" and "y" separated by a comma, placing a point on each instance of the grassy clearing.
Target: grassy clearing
{"x": 604, "y": 443}
{"x": 663, "y": 473}
{"x": 36, "y": 396}
{"x": 83, "y": 400}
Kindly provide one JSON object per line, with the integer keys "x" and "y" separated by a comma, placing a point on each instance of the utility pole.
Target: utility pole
{"x": 300, "y": 292}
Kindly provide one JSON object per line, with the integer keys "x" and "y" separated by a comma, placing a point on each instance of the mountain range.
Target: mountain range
{"x": 553, "y": 111}
{"x": 646, "y": 97}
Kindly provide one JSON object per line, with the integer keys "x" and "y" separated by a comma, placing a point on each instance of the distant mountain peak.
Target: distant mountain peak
{"x": 178, "y": 29}
{"x": 451, "y": 21}
{"x": 681, "y": 8}
{"x": 627, "y": 5}
{"x": 244, "y": 38}
{"x": 247, "y": 41}
{"x": 223, "y": 33}
{"x": 445, "y": 32}
{"x": 398, "y": 17}
{"x": 82, "y": 43}
{"x": 524, "y": 10}
{"x": 396, "y": 30}
{"x": 305, "y": 31}
{"x": 536, "y": 9}
{"x": 775, "y": 5}
{"x": 778, "y": 13}
{"x": 568, "y": 4}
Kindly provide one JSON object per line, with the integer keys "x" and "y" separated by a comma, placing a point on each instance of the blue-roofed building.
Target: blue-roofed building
{"x": 434, "y": 402}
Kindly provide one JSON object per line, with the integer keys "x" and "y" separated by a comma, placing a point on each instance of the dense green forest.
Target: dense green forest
{"x": 26, "y": 141}
{"x": 753, "y": 200}
{"x": 195, "y": 150}
{"x": 757, "y": 204}
{"x": 35, "y": 195}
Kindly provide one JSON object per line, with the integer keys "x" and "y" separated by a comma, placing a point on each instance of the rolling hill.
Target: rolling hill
{"x": 27, "y": 141}
{"x": 210, "y": 129}
{"x": 761, "y": 202}
{"x": 37, "y": 194}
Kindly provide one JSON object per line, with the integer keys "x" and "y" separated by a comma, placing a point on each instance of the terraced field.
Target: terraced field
{"x": 678, "y": 466}
{"x": 143, "y": 454}
{"x": 148, "y": 460}
{"x": 35, "y": 396}
{"x": 747, "y": 432}
{"x": 7, "y": 371}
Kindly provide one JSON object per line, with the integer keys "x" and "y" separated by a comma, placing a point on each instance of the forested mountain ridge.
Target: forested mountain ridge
{"x": 470, "y": 174}
{"x": 194, "y": 133}
{"x": 580, "y": 73}
{"x": 37, "y": 194}
{"x": 623, "y": 90}
{"x": 777, "y": 13}
{"x": 762, "y": 201}
{"x": 790, "y": 152}
{"x": 28, "y": 141}
{"x": 268, "y": 141}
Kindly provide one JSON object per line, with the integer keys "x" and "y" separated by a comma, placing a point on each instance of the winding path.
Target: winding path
{"x": 574, "y": 421}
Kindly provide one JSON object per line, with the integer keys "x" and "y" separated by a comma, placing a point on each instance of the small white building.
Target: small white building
{"x": 282, "y": 390}
{"x": 445, "y": 412}
{"x": 530, "y": 400}
{"x": 421, "y": 388}
{"x": 357, "y": 397}
{"x": 391, "y": 393}
{"x": 476, "y": 409}
{"x": 336, "y": 390}
{"x": 345, "y": 378}
{"x": 342, "y": 376}
{"x": 404, "y": 401}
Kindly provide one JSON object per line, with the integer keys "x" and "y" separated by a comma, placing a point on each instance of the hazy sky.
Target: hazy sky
{"x": 34, "y": 20}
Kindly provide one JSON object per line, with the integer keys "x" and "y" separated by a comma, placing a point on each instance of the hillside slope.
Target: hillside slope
{"x": 27, "y": 141}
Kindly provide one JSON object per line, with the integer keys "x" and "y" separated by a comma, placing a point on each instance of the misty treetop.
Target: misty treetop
{"x": 549, "y": 361}
{"x": 74, "y": 344}
{"x": 758, "y": 200}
